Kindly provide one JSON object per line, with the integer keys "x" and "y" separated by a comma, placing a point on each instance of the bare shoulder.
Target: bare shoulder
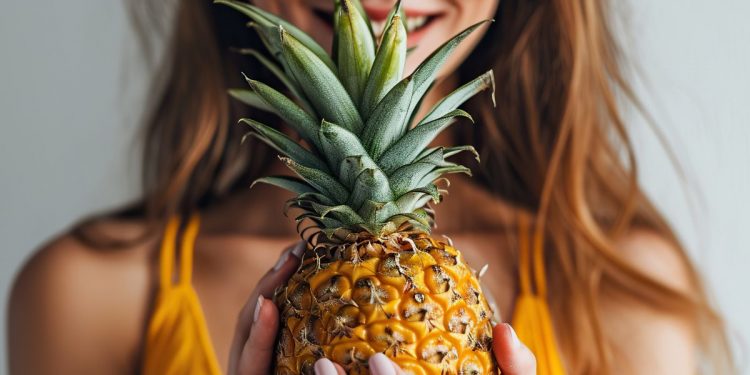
{"x": 657, "y": 257}
{"x": 647, "y": 339}
{"x": 79, "y": 307}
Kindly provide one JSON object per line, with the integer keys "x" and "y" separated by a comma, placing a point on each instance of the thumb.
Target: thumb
{"x": 512, "y": 355}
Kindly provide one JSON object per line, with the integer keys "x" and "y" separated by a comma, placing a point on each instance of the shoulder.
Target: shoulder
{"x": 657, "y": 257}
{"x": 647, "y": 339}
{"x": 67, "y": 298}
{"x": 65, "y": 266}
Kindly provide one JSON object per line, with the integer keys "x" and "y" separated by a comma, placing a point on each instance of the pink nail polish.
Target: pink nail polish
{"x": 513, "y": 336}
{"x": 324, "y": 366}
{"x": 258, "y": 306}
{"x": 381, "y": 365}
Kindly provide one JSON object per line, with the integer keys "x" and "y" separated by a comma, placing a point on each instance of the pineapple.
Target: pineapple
{"x": 372, "y": 279}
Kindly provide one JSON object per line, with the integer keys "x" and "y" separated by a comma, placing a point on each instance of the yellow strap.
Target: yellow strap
{"x": 532, "y": 320}
{"x": 523, "y": 256}
{"x": 186, "y": 250}
{"x": 539, "y": 271}
{"x": 166, "y": 255}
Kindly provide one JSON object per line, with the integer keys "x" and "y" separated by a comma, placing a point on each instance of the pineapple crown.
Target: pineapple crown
{"x": 364, "y": 168}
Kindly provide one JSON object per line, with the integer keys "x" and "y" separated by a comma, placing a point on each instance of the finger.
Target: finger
{"x": 380, "y": 364}
{"x": 339, "y": 370}
{"x": 324, "y": 366}
{"x": 284, "y": 268}
{"x": 256, "y": 355}
{"x": 512, "y": 355}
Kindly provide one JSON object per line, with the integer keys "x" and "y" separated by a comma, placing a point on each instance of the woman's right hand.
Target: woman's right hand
{"x": 255, "y": 333}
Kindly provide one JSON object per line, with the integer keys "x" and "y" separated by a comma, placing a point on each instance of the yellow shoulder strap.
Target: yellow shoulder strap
{"x": 186, "y": 249}
{"x": 531, "y": 319}
{"x": 167, "y": 255}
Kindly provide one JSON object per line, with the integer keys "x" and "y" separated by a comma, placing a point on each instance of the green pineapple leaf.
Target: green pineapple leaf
{"x": 378, "y": 212}
{"x": 396, "y": 10}
{"x": 342, "y": 213}
{"x": 387, "y": 68}
{"x": 294, "y": 116}
{"x": 338, "y": 143}
{"x": 409, "y": 176}
{"x": 355, "y": 49}
{"x": 426, "y": 72}
{"x": 372, "y": 185}
{"x": 279, "y": 73}
{"x": 293, "y": 184}
{"x": 414, "y": 199}
{"x": 264, "y": 18}
{"x": 461, "y": 95}
{"x": 415, "y": 140}
{"x": 320, "y": 84}
{"x": 320, "y": 180}
{"x": 285, "y": 145}
{"x": 438, "y": 172}
{"x": 351, "y": 167}
{"x": 388, "y": 121}
{"x": 252, "y": 99}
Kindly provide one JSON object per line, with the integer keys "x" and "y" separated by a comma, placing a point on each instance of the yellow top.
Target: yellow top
{"x": 177, "y": 340}
{"x": 532, "y": 320}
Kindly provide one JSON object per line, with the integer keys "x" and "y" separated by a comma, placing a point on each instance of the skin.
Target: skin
{"x": 80, "y": 310}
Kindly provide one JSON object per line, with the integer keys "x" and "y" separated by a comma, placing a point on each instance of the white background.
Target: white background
{"x": 72, "y": 85}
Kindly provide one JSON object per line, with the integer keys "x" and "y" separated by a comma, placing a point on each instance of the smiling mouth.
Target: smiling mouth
{"x": 413, "y": 23}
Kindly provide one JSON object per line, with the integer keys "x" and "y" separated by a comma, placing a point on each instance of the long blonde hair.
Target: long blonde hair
{"x": 554, "y": 146}
{"x": 558, "y": 146}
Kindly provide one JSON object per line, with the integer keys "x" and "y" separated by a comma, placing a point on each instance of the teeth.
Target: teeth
{"x": 413, "y": 23}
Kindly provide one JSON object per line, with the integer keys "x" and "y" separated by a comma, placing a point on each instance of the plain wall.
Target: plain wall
{"x": 72, "y": 86}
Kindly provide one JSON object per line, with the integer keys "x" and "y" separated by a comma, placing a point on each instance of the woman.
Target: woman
{"x": 552, "y": 187}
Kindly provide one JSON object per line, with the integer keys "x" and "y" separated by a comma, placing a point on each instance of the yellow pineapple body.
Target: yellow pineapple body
{"x": 407, "y": 295}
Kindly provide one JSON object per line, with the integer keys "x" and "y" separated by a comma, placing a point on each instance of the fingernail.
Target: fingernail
{"x": 381, "y": 365}
{"x": 324, "y": 366}
{"x": 299, "y": 248}
{"x": 513, "y": 336}
{"x": 258, "y": 305}
{"x": 282, "y": 260}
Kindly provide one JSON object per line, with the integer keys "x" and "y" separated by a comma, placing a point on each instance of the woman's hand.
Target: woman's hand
{"x": 513, "y": 357}
{"x": 255, "y": 334}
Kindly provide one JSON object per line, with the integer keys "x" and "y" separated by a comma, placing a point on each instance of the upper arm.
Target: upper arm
{"x": 647, "y": 339}
{"x": 69, "y": 312}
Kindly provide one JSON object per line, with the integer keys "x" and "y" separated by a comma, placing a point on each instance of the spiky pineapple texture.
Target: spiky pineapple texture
{"x": 406, "y": 295}
{"x": 366, "y": 168}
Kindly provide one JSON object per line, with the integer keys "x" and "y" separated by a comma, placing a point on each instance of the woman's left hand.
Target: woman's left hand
{"x": 513, "y": 357}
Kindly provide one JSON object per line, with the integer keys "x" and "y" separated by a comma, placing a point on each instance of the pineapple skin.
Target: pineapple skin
{"x": 407, "y": 295}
